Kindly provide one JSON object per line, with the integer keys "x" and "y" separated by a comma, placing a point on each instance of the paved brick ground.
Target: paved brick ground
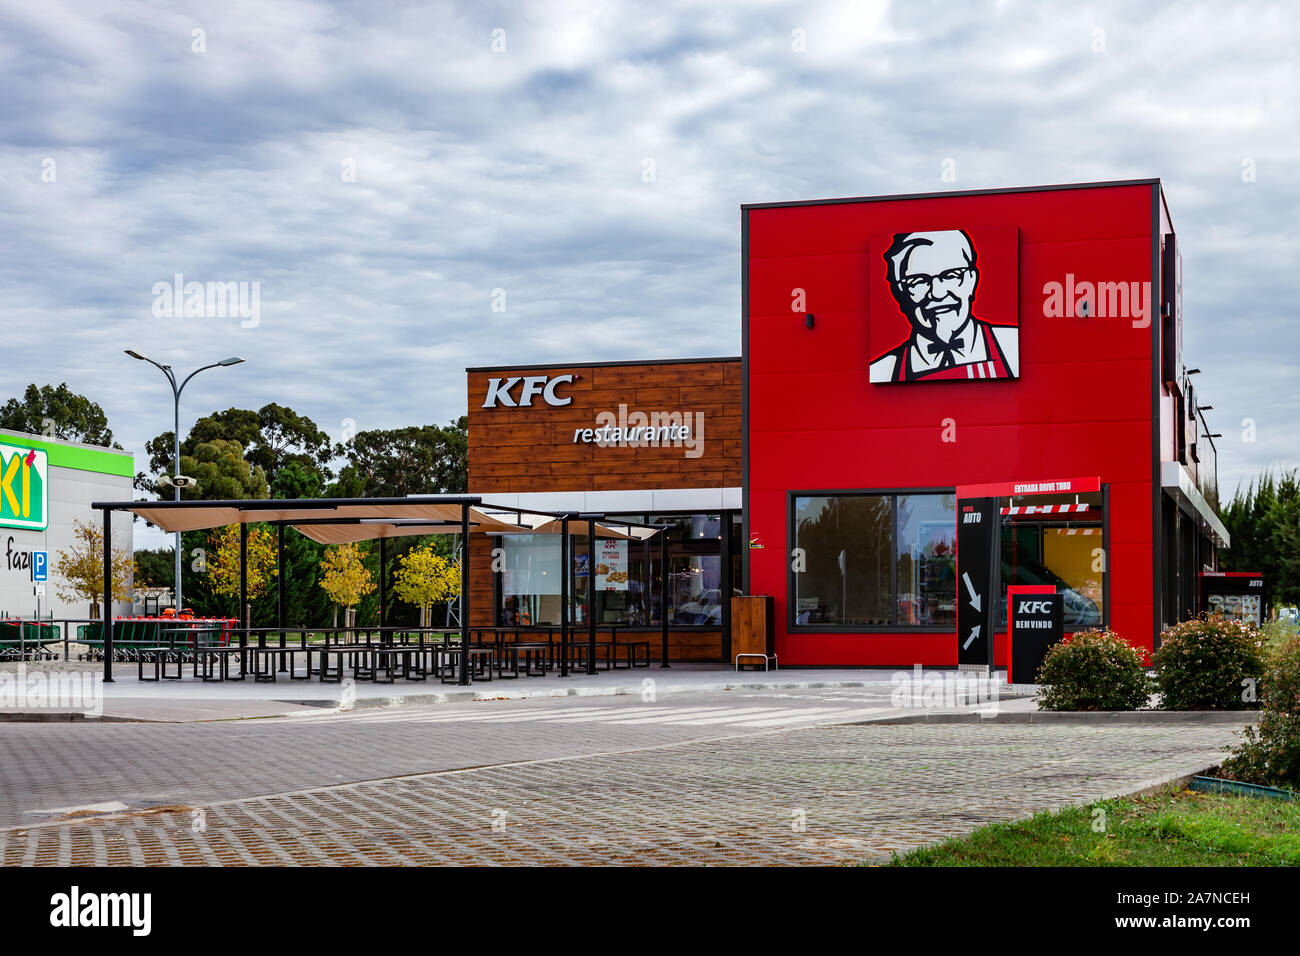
{"x": 44, "y": 766}
{"x": 861, "y": 791}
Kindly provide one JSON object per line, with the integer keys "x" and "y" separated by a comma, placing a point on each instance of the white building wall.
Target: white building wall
{"x": 71, "y": 492}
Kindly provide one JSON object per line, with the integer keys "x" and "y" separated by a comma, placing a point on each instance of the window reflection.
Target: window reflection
{"x": 530, "y": 577}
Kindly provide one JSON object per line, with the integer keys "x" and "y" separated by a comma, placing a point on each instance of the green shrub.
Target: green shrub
{"x": 1094, "y": 670}
{"x": 1270, "y": 755}
{"x": 1209, "y": 663}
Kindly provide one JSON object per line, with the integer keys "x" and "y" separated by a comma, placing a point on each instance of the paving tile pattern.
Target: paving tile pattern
{"x": 816, "y": 795}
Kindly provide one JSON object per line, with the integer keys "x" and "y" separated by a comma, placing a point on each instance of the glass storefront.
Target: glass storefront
{"x": 889, "y": 560}
{"x": 628, "y": 575}
{"x": 874, "y": 560}
{"x": 1056, "y": 540}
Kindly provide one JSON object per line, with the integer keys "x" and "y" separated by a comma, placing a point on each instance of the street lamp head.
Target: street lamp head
{"x": 135, "y": 355}
{"x": 233, "y": 360}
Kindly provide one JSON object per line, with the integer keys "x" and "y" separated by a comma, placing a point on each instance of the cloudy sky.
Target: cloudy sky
{"x": 387, "y": 171}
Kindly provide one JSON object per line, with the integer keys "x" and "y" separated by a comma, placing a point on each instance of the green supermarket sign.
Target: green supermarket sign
{"x": 24, "y": 487}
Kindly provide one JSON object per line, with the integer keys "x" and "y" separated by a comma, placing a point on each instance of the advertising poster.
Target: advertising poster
{"x": 611, "y": 569}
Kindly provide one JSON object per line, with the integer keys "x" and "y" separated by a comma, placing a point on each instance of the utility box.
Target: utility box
{"x": 753, "y": 625}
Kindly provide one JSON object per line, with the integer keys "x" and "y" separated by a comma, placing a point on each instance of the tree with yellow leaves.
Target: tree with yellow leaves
{"x": 222, "y": 561}
{"x": 81, "y": 568}
{"x": 346, "y": 580}
{"x": 424, "y": 578}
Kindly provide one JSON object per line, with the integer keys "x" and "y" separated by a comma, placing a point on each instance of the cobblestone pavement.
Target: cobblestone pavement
{"x": 812, "y": 795}
{"x": 46, "y": 766}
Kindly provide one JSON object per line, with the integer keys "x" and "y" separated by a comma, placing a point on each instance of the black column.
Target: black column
{"x": 464, "y": 594}
{"x": 243, "y": 584}
{"x": 279, "y": 586}
{"x": 591, "y": 596}
{"x": 108, "y": 596}
{"x": 383, "y": 563}
{"x": 663, "y": 597}
{"x": 728, "y": 584}
{"x": 564, "y": 597}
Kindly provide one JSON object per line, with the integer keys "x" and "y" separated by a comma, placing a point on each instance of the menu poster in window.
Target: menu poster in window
{"x": 611, "y": 569}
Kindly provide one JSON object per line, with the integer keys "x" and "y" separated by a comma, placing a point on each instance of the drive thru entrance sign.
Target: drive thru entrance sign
{"x": 979, "y": 557}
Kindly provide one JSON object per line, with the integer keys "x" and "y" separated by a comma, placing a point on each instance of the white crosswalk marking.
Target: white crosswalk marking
{"x": 697, "y": 715}
{"x": 757, "y": 717}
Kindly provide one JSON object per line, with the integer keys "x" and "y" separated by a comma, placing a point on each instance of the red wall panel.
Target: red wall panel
{"x": 1082, "y": 405}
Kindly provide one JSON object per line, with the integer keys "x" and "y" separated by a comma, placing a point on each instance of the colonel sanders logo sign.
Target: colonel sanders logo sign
{"x": 933, "y": 277}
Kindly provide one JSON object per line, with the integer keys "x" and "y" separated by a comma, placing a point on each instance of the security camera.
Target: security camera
{"x": 183, "y": 481}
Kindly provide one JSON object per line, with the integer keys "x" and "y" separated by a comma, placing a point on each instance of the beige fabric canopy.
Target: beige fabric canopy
{"x": 354, "y": 520}
{"x": 347, "y": 515}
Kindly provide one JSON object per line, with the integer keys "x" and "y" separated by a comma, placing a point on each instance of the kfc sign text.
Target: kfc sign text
{"x": 498, "y": 390}
{"x": 1035, "y": 607}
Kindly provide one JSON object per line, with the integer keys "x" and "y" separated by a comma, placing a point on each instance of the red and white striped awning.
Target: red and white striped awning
{"x": 1045, "y": 509}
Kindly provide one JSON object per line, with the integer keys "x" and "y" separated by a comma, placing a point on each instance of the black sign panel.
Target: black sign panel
{"x": 977, "y": 544}
{"x": 1037, "y": 622}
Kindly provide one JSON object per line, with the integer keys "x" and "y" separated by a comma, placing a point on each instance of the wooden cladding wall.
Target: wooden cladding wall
{"x": 532, "y": 448}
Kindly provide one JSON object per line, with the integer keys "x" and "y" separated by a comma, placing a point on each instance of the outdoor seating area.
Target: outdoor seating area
{"x": 206, "y": 652}
{"x": 225, "y": 649}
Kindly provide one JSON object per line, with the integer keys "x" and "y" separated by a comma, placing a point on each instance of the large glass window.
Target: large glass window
{"x": 530, "y": 579}
{"x": 875, "y": 560}
{"x": 927, "y": 544}
{"x": 1056, "y": 540}
{"x": 530, "y": 582}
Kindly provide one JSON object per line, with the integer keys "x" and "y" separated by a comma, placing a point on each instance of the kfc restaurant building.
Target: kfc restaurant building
{"x": 939, "y": 396}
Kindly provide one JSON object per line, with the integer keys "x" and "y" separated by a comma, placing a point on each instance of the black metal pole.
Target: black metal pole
{"x": 647, "y": 583}
{"x": 663, "y": 597}
{"x": 464, "y": 594}
{"x": 108, "y": 596}
{"x": 383, "y": 563}
{"x": 591, "y": 596}
{"x": 727, "y": 584}
{"x": 564, "y": 597}
{"x": 243, "y": 587}
{"x": 279, "y": 587}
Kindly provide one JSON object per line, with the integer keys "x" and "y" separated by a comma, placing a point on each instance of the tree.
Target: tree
{"x": 81, "y": 568}
{"x": 285, "y": 437}
{"x": 424, "y": 578}
{"x": 223, "y": 561}
{"x": 346, "y": 579}
{"x": 270, "y": 438}
{"x": 221, "y": 473}
{"x": 296, "y": 480}
{"x": 154, "y": 568}
{"x": 58, "y": 413}
{"x": 1263, "y": 522}
{"x": 395, "y": 462}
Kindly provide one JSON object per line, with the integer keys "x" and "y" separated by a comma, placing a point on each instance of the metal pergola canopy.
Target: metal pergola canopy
{"x": 348, "y": 520}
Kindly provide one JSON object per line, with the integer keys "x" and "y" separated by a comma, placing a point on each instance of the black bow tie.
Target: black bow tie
{"x": 938, "y": 348}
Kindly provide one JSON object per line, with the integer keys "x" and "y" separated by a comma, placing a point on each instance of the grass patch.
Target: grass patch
{"x": 1168, "y": 828}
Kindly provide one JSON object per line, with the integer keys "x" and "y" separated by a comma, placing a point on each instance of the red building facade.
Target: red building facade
{"x": 895, "y": 349}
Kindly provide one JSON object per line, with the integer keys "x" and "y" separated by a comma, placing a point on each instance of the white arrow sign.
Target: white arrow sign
{"x": 974, "y": 633}
{"x": 974, "y": 598}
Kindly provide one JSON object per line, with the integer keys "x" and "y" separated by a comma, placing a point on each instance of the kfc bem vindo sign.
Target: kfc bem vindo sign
{"x": 944, "y": 306}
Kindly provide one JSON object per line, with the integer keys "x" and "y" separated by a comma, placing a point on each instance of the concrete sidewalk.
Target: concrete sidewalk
{"x": 190, "y": 700}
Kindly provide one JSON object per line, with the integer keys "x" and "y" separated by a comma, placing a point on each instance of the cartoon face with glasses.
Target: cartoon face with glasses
{"x": 933, "y": 276}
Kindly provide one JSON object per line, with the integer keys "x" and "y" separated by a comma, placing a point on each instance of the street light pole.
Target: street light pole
{"x": 176, "y": 440}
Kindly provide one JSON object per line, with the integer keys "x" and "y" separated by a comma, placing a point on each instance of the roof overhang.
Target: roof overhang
{"x": 1178, "y": 484}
